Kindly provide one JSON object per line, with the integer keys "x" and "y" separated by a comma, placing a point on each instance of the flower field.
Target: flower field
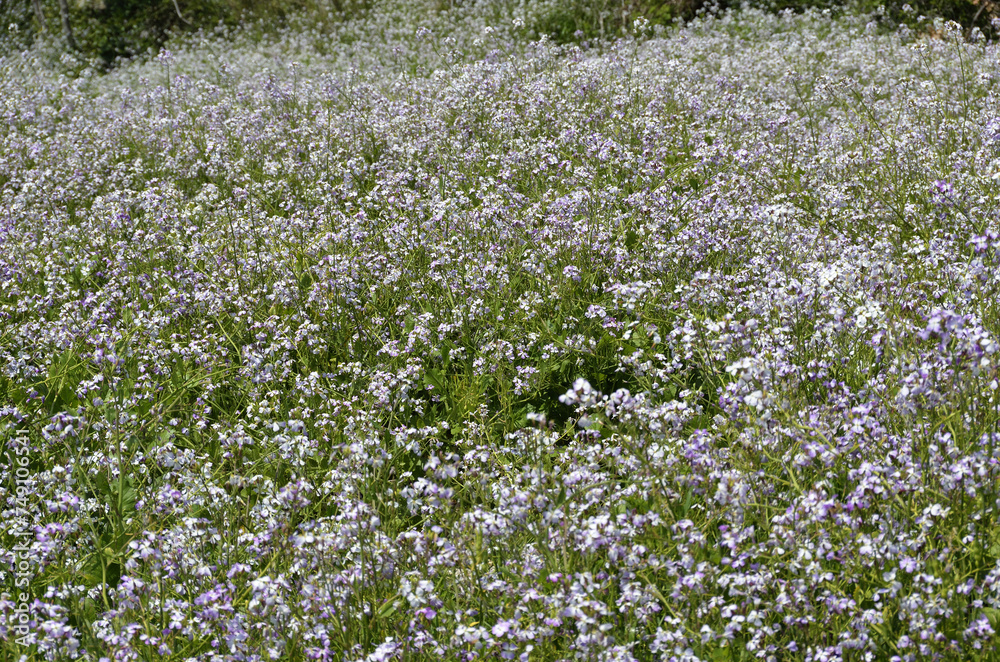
{"x": 422, "y": 337}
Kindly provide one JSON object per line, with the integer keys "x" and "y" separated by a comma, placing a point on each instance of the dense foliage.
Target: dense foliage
{"x": 108, "y": 30}
{"x": 111, "y": 29}
{"x": 419, "y": 337}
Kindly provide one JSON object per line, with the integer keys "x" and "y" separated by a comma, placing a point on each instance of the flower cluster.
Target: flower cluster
{"x": 424, "y": 337}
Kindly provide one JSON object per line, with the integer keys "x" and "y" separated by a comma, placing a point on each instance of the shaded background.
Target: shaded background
{"x": 107, "y": 30}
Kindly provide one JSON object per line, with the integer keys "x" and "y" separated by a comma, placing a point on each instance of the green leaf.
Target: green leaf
{"x": 435, "y": 377}
{"x": 101, "y": 483}
{"x": 129, "y": 497}
{"x": 993, "y": 615}
{"x": 722, "y": 654}
{"x": 632, "y": 239}
{"x": 387, "y": 609}
{"x": 92, "y": 571}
